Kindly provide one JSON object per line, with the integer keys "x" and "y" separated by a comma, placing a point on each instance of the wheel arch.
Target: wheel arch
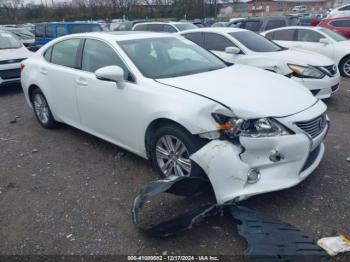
{"x": 31, "y": 89}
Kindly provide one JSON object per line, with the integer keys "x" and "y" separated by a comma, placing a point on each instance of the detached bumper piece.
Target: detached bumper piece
{"x": 268, "y": 238}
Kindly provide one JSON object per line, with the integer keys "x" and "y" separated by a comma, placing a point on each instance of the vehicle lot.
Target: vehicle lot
{"x": 66, "y": 192}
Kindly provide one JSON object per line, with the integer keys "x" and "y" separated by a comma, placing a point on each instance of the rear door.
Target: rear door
{"x": 60, "y": 75}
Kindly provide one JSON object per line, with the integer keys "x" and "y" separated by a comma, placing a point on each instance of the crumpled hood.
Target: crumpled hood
{"x": 249, "y": 92}
{"x": 300, "y": 57}
{"x": 17, "y": 53}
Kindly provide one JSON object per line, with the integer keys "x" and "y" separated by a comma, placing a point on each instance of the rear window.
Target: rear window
{"x": 345, "y": 8}
{"x": 252, "y": 25}
{"x": 64, "y": 53}
{"x": 185, "y": 26}
{"x": 84, "y": 28}
{"x": 282, "y": 35}
{"x": 140, "y": 27}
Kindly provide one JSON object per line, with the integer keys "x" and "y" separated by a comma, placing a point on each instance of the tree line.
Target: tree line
{"x": 17, "y": 11}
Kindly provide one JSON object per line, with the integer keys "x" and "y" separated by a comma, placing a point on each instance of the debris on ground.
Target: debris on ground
{"x": 35, "y": 151}
{"x": 348, "y": 159}
{"x": 268, "y": 238}
{"x": 13, "y": 121}
{"x": 335, "y": 245}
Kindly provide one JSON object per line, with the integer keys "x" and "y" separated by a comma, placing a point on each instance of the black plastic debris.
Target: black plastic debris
{"x": 268, "y": 239}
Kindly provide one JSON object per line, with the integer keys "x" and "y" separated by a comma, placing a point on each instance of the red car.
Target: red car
{"x": 341, "y": 25}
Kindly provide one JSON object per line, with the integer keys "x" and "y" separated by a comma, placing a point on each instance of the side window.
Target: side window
{"x": 340, "y": 23}
{"x": 64, "y": 53}
{"x": 345, "y": 8}
{"x": 140, "y": 27}
{"x": 155, "y": 27}
{"x": 272, "y": 24}
{"x": 47, "y": 54}
{"x": 49, "y": 31}
{"x": 60, "y": 30}
{"x": 39, "y": 31}
{"x": 169, "y": 29}
{"x": 216, "y": 42}
{"x": 282, "y": 35}
{"x": 97, "y": 54}
{"x": 197, "y": 38}
{"x": 304, "y": 35}
{"x": 251, "y": 25}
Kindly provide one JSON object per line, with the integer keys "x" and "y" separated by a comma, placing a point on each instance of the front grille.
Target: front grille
{"x": 10, "y": 73}
{"x": 11, "y": 61}
{"x": 330, "y": 70}
{"x": 315, "y": 126}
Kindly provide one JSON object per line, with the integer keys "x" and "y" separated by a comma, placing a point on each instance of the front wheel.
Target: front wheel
{"x": 42, "y": 110}
{"x": 171, "y": 149}
{"x": 344, "y": 67}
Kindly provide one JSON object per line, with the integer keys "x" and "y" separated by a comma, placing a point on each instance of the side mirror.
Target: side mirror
{"x": 324, "y": 41}
{"x": 110, "y": 73}
{"x": 232, "y": 50}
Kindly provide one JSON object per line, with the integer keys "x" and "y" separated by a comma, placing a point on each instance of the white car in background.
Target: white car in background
{"x": 12, "y": 53}
{"x": 341, "y": 11}
{"x": 167, "y": 99}
{"x": 316, "y": 72}
{"x": 317, "y": 39}
{"x": 169, "y": 27}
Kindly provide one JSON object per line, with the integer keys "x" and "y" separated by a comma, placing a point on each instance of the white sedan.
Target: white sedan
{"x": 316, "y": 72}
{"x": 341, "y": 11}
{"x": 164, "y": 98}
{"x": 12, "y": 53}
{"x": 317, "y": 39}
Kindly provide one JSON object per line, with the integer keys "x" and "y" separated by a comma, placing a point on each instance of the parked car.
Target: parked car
{"x": 127, "y": 25}
{"x": 299, "y": 9}
{"x": 12, "y": 53}
{"x": 340, "y": 25}
{"x": 234, "y": 45}
{"x": 317, "y": 39}
{"x": 165, "y": 98}
{"x": 341, "y": 11}
{"x": 24, "y": 36}
{"x": 45, "y": 32}
{"x": 170, "y": 27}
{"x": 260, "y": 24}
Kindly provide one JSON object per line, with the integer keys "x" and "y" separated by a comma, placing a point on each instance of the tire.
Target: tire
{"x": 344, "y": 66}
{"x": 42, "y": 110}
{"x": 175, "y": 161}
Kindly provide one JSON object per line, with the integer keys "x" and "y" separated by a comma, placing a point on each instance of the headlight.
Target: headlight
{"x": 306, "y": 71}
{"x": 263, "y": 127}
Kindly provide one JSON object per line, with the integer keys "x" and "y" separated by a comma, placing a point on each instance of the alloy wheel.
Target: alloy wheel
{"x": 41, "y": 108}
{"x": 172, "y": 156}
{"x": 346, "y": 67}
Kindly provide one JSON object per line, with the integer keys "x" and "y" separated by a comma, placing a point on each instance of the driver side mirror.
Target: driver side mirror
{"x": 110, "y": 73}
{"x": 232, "y": 50}
{"x": 324, "y": 41}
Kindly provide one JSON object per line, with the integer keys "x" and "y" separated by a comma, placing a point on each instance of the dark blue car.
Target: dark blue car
{"x": 45, "y": 32}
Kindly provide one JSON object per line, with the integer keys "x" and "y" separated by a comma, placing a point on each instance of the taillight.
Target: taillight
{"x": 22, "y": 67}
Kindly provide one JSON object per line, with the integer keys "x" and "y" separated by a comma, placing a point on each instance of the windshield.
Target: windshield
{"x": 8, "y": 41}
{"x": 185, "y": 26}
{"x": 335, "y": 36}
{"x": 256, "y": 42}
{"x": 169, "y": 57}
{"x": 84, "y": 28}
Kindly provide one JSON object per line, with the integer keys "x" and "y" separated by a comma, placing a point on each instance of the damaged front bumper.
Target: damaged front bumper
{"x": 274, "y": 163}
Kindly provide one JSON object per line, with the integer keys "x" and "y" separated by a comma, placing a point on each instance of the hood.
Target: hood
{"x": 17, "y": 53}
{"x": 249, "y": 92}
{"x": 300, "y": 57}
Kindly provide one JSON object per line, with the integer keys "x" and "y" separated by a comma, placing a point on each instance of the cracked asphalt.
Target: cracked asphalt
{"x": 66, "y": 192}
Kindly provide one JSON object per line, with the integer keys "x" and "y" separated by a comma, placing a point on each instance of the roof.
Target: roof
{"x": 223, "y": 30}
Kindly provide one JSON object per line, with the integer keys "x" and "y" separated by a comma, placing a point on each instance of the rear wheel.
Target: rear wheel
{"x": 344, "y": 66}
{"x": 42, "y": 110}
{"x": 171, "y": 149}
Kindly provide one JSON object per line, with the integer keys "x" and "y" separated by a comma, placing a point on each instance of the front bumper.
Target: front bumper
{"x": 321, "y": 88}
{"x": 227, "y": 165}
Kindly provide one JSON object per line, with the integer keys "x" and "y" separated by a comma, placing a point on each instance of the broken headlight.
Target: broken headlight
{"x": 306, "y": 71}
{"x": 262, "y": 127}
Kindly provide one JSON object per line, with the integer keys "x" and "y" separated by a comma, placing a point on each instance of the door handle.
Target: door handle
{"x": 43, "y": 71}
{"x": 81, "y": 82}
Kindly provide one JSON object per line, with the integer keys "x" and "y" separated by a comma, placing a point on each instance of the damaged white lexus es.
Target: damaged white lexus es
{"x": 166, "y": 99}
